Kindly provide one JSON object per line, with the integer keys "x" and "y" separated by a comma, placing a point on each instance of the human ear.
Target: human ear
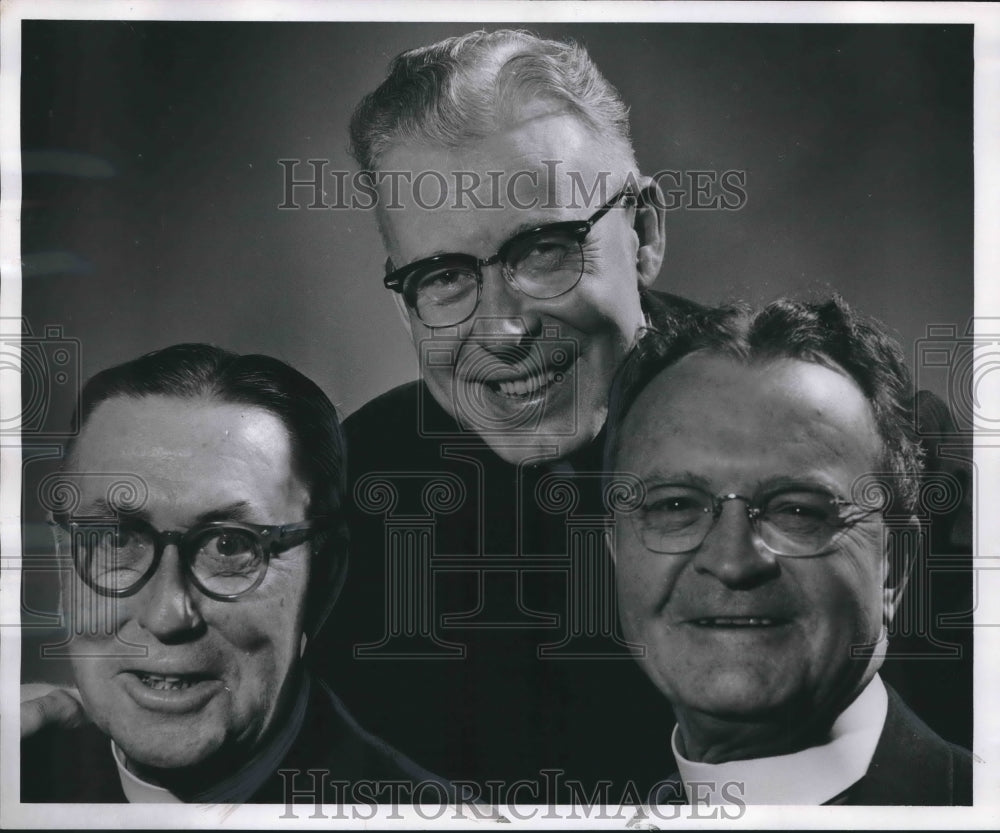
{"x": 650, "y": 226}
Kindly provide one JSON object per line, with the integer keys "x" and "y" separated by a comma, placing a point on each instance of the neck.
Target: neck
{"x": 183, "y": 782}
{"x": 715, "y": 740}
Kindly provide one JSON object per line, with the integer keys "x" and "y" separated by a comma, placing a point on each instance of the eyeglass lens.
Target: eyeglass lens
{"x": 796, "y": 522}
{"x": 543, "y": 265}
{"x": 224, "y": 560}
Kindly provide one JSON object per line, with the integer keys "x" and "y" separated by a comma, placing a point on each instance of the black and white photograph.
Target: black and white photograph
{"x": 452, "y": 414}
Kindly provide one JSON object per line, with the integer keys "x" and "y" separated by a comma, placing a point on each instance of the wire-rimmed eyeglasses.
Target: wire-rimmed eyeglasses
{"x": 794, "y": 521}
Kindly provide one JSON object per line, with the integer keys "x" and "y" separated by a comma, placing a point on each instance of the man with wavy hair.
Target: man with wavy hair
{"x": 764, "y": 552}
{"x": 522, "y": 291}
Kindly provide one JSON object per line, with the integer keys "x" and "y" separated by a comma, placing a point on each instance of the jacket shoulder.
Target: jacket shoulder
{"x": 913, "y": 765}
{"x": 69, "y": 766}
{"x": 336, "y": 755}
{"x": 385, "y": 409}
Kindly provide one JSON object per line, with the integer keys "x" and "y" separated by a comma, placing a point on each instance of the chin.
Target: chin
{"x": 740, "y": 695}
{"x": 168, "y": 752}
{"x": 520, "y": 448}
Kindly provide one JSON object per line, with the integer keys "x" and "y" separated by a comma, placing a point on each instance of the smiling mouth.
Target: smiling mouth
{"x": 168, "y": 682}
{"x": 526, "y": 387}
{"x": 739, "y": 622}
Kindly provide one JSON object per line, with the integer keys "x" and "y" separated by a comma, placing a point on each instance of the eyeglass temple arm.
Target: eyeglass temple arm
{"x": 294, "y": 534}
{"x": 624, "y": 194}
{"x": 395, "y": 285}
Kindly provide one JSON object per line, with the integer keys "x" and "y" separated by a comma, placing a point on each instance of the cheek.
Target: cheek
{"x": 279, "y": 609}
{"x": 847, "y": 600}
{"x": 645, "y": 582}
{"x": 438, "y": 357}
{"x": 100, "y": 632}
{"x": 92, "y": 678}
{"x": 605, "y": 306}
{"x": 607, "y": 311}
{"x": 418, "y": 332}
{"x": 264, "y": 648}
{"x": 268, "y": 631}
{"x": 92, "y": 617}
{"x": 864, "y": 579}
{"x": 95, "y": 661}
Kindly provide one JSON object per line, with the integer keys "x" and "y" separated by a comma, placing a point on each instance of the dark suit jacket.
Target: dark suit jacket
{"x": 911, "y": 766}
{"x": 464, "y": 648}
{"x": 76, "y": 765}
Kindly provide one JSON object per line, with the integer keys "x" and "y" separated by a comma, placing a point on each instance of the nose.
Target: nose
{"x": 506, "y": 317}
{"x": 169, "y": 607}
{"x": 731, "y": 554}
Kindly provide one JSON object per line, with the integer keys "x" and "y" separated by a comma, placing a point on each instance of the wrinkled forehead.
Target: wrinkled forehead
{"x": 546, "y": 167}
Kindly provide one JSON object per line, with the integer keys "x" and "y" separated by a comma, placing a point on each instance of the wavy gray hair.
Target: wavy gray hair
{"x": 465, "y": 88}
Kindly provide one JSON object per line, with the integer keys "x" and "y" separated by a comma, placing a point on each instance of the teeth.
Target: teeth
{"x": 736, "y": 621}
{"x": 527, "y": 386}
{"x": 162, "y": 683}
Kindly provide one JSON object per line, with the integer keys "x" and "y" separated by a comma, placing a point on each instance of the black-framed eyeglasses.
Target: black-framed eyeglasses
{"x": 223, "y": 559}
{"x": 794, "y": 521}
{"x": 543, "y": 262}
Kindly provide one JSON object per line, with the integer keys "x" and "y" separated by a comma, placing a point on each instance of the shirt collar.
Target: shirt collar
{"x": 236, "y": 788}
{"x": 136, "y": 790}
{"x": 812, "y": 776}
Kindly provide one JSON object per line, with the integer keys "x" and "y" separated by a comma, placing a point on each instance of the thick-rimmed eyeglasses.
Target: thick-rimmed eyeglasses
{"x": 223, "y": 559}
{"x": 543, "y": 262}
{"x": 799, "y": 521}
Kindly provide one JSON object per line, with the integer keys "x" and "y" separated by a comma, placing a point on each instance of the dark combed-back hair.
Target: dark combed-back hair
{"x": 466, "y": 88}
{"x": 190, "y": 371}
{"x": 829, "y": 333}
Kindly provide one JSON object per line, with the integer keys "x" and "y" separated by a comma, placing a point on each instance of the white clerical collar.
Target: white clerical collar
{"x": 812, "y": 776}
{"x": 237, "y": 787}
{"x": 136, "y": 790}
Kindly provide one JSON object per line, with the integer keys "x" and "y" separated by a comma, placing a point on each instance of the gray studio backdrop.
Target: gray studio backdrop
{"x": 152, "y": 184}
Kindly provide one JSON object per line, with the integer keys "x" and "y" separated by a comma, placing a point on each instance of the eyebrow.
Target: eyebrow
{"x": 237, "y": 511}
{"x": 518, "y": 229}
{"x": 809, "y": 481}
{"x": 771, "y": 484}
{"x": 682, "y": 478}
{"x": 101, "y": 508}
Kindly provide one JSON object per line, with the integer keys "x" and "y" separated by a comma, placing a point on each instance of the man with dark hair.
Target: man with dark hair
{"x": 767, "y": 478}
{"x": 202, "y": 509}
